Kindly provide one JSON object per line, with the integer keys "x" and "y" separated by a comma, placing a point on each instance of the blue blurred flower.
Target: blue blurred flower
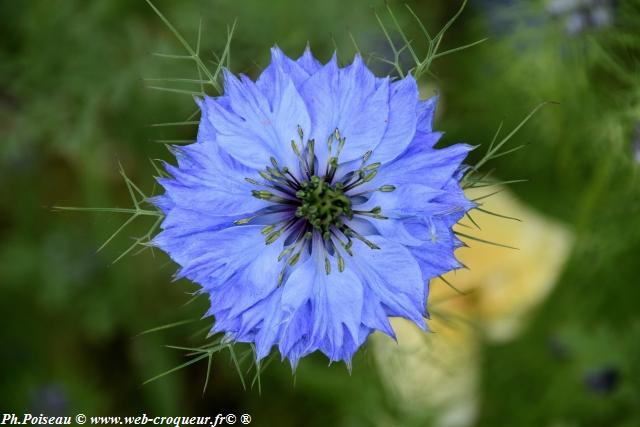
{"x": 580, "y": 15}
{"x": 313, "y": 206}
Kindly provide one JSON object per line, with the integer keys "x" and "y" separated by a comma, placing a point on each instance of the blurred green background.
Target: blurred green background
{"x": 74, "y": 103}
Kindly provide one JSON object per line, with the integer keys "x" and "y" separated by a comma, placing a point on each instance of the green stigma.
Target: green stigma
{"x": 323, "y": 205}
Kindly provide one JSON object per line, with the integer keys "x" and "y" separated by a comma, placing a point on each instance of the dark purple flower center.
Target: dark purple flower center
{"x": 313, "y": 202}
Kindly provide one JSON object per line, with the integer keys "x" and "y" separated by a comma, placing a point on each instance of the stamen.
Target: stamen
{"x": 281, "y": 189}
{"x": 297, "y": 183}
{"x": 295, "y": 149}
{"x": 275, "y": 172}
{"x": 360, "y": 237}
{"x": 338, "y": 255}
{"x": 273, "y": 237}
{"x": 370, "y": 175}
{"x": 365, "y": 157}
{"x": 341, "y": 142}
{"x": 269, "y": 196}
{"x": 267, "y": 229}
{"x": 244, "y": 220}
{"x": 345, "y": 246}
{"x": 362, "y": 178}
{"x": 332, "y": 167}
{"x": 372, "y": 214}
{"x": 276, "y": 234}
{"x": 294, "y": 259}
{"x": 303, "y": 161}
{"x": 312, "y": 156}
{"x": 264, "y": 175}
{"x": 286, "y": 251}
{"x": 281, "y": 276}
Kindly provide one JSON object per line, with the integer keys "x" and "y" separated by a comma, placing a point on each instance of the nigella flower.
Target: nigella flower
{"x": 313, "y": 206}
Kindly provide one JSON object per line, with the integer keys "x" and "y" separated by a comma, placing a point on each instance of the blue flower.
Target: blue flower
{"x": 313, "y": 206}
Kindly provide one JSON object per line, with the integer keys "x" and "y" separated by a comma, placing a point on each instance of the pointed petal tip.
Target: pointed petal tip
{"x": 276, "y": 52}
{"x": 293, "y": 362}
{"x": 227, "y": 73}
{"x": 421, "y": 323}
{"x": 349, "y": 364}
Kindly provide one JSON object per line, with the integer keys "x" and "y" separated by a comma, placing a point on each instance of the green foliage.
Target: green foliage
{"x": 73, "y": 106}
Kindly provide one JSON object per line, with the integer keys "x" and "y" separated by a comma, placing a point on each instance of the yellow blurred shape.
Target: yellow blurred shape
{"x": 509, "y": 283}
{"x": 436, "y": 374}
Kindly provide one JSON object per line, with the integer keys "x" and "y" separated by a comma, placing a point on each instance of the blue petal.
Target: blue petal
{"x": 295, "y": 337}
{"x": 318, "y": 95}
{"x": 405, "y": 201}
{"x": 206, "y": 131}
{"x": 240, "y": 274}
{"x": 183, "y": 223}
{"x": 352, "y": 100}
{"x": 436, "y": 254}
{"x": 454, "y": 199}
{"x": 308, "y": 62}
{"x": 213, "y": 257}
{"x": 270, "y": 328}
{"x": 162, "y": 202}
{"x": 426, "y": 111}
{"x": 209, "y": 181}
{"x": 281, "y": 63}
{"x": 335, "y": 301}
{"x": 421, "y": 164}
{"x": 402, "y": 120}
{"x": 393, "y": 276}
{"x": 394, "y": 229}
{"x": 374, "y": 315}
{"x": 258, "y": 127}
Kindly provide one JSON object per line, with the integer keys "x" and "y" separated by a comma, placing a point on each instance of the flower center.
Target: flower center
{"x": 314, "y": 202}
{"x": 323, "y": 205}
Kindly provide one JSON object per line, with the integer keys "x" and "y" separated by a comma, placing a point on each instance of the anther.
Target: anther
{"x": 294, "y": 147}
{"x": 266, "y": 176}
{"x": 294, "y": 259}
{"x": 273, "y": 237}
{"x": 285, "y": 252}
{"x": 267, "y": 229}
{"x": 244, "y": 220}
{"x": 370, "y": 176}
